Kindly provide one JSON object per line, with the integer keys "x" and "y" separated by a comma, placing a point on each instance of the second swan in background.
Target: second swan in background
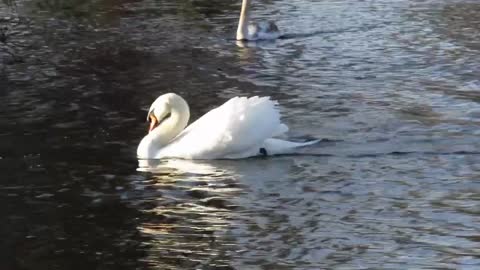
{"x": 254, "y": 31}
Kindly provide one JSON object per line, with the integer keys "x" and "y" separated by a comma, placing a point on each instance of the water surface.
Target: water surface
{"x": 391, "y": 87}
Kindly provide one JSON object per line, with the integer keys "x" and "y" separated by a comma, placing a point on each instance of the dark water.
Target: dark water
{"x": 392, "y": 88}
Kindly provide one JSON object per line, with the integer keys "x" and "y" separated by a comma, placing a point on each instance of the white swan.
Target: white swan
{"x": 242, "y": 127}
{"x": 254, "y": 31}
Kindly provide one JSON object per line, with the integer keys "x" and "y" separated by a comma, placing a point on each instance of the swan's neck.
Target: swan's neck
{"x": 242, "y": 30}
{"x": 171, "y": 127}
{"x": 165, "y": 132}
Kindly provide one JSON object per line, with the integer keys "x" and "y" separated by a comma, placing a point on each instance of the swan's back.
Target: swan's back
{"x": 236, "y": 129}
{"x": 263, "y": 31}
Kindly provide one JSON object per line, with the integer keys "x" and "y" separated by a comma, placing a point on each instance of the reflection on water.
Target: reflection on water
{"x": 391, "y": 88}
{"x": 199, "y": 203}
{"x": 193, "y": 210}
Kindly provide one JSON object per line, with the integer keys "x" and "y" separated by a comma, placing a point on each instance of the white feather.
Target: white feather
{"x": 237, "y": 129}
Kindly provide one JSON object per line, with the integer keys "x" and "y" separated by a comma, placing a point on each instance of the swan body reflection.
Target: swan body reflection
{"x": 194, "y": 205}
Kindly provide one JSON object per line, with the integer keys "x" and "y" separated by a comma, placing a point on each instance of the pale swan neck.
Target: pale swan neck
{"x": 172, "y": 126}
{"x": 242, "y": 30}
{"x": 166, "y": 131}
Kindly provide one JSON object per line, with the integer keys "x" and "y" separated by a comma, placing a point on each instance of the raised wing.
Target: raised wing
{"x": 237, "y": 128}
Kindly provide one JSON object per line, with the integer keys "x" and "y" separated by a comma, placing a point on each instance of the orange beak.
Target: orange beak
{"x": 153, "y": 123}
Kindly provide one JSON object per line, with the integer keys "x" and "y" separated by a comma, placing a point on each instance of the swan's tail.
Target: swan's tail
{"x": 277, "y": 146}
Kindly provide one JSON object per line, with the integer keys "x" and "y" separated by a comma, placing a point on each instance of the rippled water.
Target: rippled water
{"x": 391, "y": 87}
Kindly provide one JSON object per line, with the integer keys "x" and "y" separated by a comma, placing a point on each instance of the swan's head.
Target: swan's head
{"x": 164, "y": 107}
